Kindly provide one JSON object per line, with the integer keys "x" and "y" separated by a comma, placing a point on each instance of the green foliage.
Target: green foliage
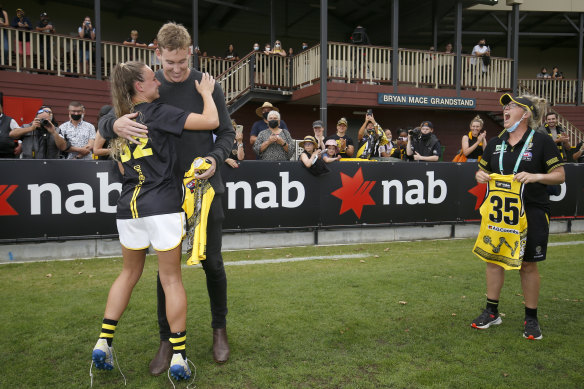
{"x": 398, "y": 317}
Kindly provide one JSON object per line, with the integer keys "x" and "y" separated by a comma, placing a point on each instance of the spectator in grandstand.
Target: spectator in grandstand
{"x": 310, "y": 157}
{"x": 231, "y": 54}
{"x": 578, "y": 155}
{"x": 80, "y": 133}
{"x": 275, "y": 143}
{"x": 543, "y": 73}
{"x": 371, "y": 136}
{"x": 86, "y": 30}
{"x": 154, "y": 217}
{"x": 45, "y": 25}
{"x": 318, "y": 128}
{"x": 41, "y": 138}
{"x": 332, "y": 151}
{"x": 290, "y": 52}
{"x": 558, "y": 134}
{"x": 256, "y": 47}
{"x": 278, "y": 49}
{"x": 359, "y": 36}
{"x": 386, "y": 149}
{"x": 535, "y": 169}
{"x": 153, "y": 58}
{"x": 267, "y": 49}
{"x": 101, "y": 145}
{"x": 482, "y": 51}
{"x": 401, "y": 143}
{"x": 262, "y": 124}
{"x": 177, "y": 89}
{"x": 423, "y": 145}
{"x": 23, "y": 23}
{"x": 237, "y": 151}
{"x": 304, "y": 46}
{"x": 134, "y": 40}
{"x": 9, "y": 147}
{"x": 474, "y": 143}
{"x": 448, "y": 48}
{"x": 344, "y": 142}
{"x": 556, "y": 74}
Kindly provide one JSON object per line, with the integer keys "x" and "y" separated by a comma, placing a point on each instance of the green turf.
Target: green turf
{"x": 397, "y": 318}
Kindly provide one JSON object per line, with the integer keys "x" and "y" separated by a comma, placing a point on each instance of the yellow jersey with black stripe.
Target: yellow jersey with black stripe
{"x": 503, "y": 231}
{"x": 152, "y": 183}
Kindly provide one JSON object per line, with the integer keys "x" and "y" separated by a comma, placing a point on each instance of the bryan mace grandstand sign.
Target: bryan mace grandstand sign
{"x": 58, "y": 199}
{"x": 426, "y": 101}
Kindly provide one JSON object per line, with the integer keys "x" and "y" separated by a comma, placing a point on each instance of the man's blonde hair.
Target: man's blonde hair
{"x": 173, "y": 36}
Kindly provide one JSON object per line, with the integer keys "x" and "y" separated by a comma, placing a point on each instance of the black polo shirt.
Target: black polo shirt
{"x": 540, "y": 156}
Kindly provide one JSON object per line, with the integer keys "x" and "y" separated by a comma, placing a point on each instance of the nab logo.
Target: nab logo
{"x": 5, "y": 208}
{"x": 354, "y": 193}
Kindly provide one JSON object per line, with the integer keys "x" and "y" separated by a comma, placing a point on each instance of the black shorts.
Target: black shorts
{"x": 538, "y": 230}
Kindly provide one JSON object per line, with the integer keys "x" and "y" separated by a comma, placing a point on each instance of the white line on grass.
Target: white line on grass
{"x": 564, "y": 243}
{"x": 283, "y": 260}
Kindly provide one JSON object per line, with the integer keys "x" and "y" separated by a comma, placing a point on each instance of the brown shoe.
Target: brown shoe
{"x": 161, "y": 361}
{"x": 220, "y": 345}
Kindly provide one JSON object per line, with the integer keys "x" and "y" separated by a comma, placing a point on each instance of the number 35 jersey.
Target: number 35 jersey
{"x": 152, "y": 183}
{"x": 503, "y": 231}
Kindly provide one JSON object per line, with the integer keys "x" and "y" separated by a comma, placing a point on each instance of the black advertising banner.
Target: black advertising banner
{"x": 54, "y": 199}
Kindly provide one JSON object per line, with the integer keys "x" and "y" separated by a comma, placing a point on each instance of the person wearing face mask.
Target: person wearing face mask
{"x": 304, "y": 46}
{"x": 275, "y": 143}
{"x": 267, "y": 49}
{"x": 256, "y": 47}
{"x": 480, "y": 50}
{"x": 80, "y": 133}
{"x": 41, "y": 139}
{"x": 522, "y": 158}
{"x": 262, "y": 124}
{"x": 424, "y": 145}
{"x": 278, "y": 49}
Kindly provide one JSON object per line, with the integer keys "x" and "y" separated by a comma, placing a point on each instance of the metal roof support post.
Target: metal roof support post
{"x": 272, "y": 23}
{"x": 458, "y": 59}
{"x": 580, "y": 52}
{"x": 509, "y": 30}
{"x": 394, "y": 44}
{"x": 323, "y": 62}
{"x": 515, "y": 51}
{"x": 97, "y": 6}
{"x": 195, "y": 33}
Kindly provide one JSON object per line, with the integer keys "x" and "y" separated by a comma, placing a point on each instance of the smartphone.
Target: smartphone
{"x": 369, "y": 112}
{"x": 239, "y": 128}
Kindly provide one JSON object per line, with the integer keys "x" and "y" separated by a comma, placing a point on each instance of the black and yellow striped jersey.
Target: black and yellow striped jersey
{"x": 152, "y": 183}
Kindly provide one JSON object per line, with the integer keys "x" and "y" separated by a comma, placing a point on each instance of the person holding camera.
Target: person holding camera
{"x": 423, "y": 145}
{"x": 371, "y": 137}
{"x": 474, "y": 144}
{"x": 80, "y": 133}
{"x": 41, "y": 139}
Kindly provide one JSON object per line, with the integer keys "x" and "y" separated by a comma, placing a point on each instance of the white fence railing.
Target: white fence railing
{"x": 562, "y": 91}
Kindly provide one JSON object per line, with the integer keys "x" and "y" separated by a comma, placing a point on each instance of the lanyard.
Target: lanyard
{"x": 503, "y": 147}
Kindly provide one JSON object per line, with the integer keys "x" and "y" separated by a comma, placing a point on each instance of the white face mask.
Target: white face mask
{"x": 514, "y": 127}
{"x": 256, "y": 48}
{"x": 277, "y": 45}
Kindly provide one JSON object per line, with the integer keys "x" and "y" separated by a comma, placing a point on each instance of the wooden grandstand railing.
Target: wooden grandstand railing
{"x": 562, "y": 91}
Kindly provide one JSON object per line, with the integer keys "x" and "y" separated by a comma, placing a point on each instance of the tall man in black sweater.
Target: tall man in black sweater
{"x": 178, "y": 88}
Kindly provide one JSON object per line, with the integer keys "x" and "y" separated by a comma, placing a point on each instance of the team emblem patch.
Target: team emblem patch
{"x": 527, "y": 156}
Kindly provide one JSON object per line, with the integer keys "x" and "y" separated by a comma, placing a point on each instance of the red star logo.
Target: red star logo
{"x": 5, "y": 192}
{"x": 354, "y": 193}
{"x": 479, "y": 191}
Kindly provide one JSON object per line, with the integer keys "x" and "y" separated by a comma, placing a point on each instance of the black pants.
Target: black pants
{"x": 214, "y": 271}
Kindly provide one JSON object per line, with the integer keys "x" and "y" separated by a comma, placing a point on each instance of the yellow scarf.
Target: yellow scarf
{"x": 198, "y": 197}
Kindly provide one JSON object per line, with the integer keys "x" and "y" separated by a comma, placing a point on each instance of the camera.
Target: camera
{"x": 45, "y": 123}
{"x": 416, "y": 132}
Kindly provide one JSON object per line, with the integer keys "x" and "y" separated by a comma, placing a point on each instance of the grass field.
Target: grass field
{"x": 398, "y": 317}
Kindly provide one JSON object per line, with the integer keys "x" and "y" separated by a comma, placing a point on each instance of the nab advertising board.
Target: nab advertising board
{"x": 58, "y": 199}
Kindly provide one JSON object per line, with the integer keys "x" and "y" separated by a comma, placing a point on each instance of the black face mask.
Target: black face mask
{"x": 265, "y": 115}
{"x": 76, "y": 117}
{"x": 273, "y": 123}
{"x": 425, "y": 137}
{"x": 481, "y": 44}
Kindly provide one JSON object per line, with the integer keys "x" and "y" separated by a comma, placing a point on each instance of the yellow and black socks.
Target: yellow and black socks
{"x": 178, "y": 341}
{"x": 493, "y": 305}
{"x": 108, "y": 327}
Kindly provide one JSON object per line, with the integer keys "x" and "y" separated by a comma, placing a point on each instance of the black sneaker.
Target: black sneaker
{"x": 531, "y": 330}
{"x": 486, "y": 319}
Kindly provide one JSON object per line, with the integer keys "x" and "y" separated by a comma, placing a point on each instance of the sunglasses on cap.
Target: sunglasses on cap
{"x": 44, "y": 110}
